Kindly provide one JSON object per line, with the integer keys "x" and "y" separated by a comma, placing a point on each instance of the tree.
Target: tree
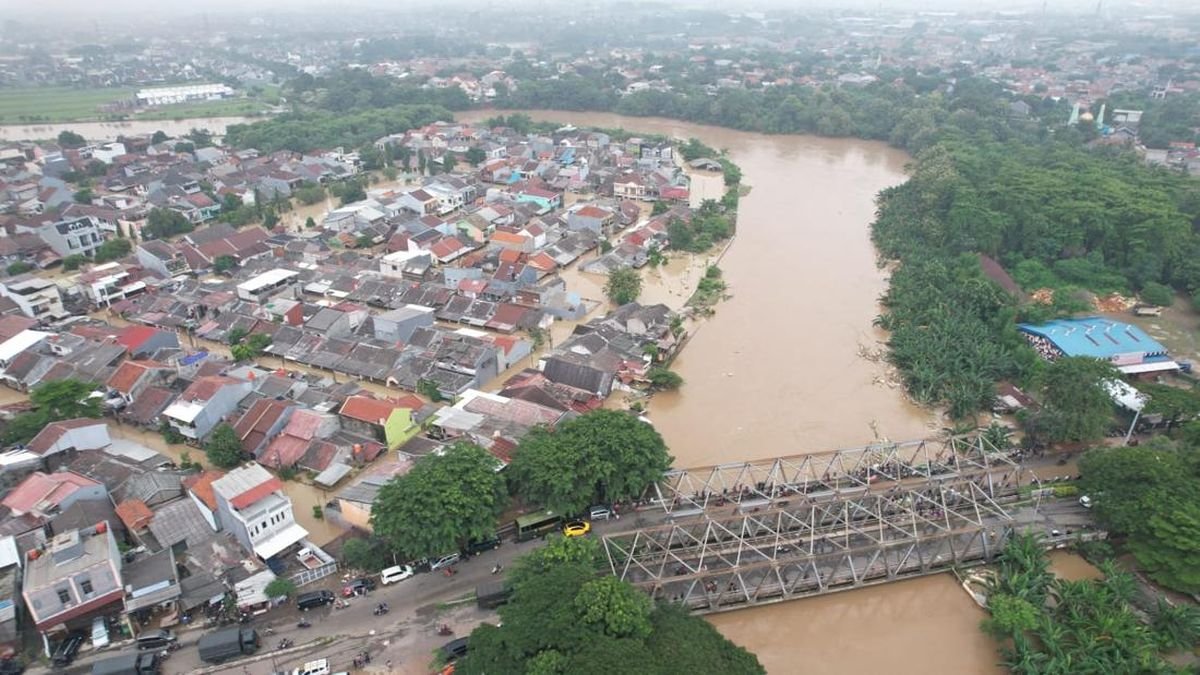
{"x": 19, "y": 267}
{"x": 163, "y": 223}
{"x": 370, "y": 554}
{"x": 223, "y": 447}
{"x": 251, "y": 348}
{"x": 310, "y": 224}
{"x": 159, "y": 136}
{"x": 429, "y": 389}
{"x": 475, "y": 156}
{"x": 352, "y": 192}
{"x": 73, "y": 262}
{"x": 1075, "y": 404}
{"x": 84, "y": 196}
{"x": 280, "y": 587}
{"x": 664, "y": 378}
{"x": 70, "y": 139}
{"x": 224, "y": 263}
{"x": 310, "y": 193}
{"x": 200, "y": 138}
{"x": 65, "y": 399}
{"x": 562, "y": 619}
{"x": 364, "y": 241}
{"x": 1010, "y": 615}
{"x": 1151, "y": 494}
{"x": 624, "y": 285}
{"x": 443, "y": 502}
{"x": 612, "y": 456}
{"x": 113, "y": 249}
{"x": 24, "y": 427}
{"x": 1158, "y": 294}
{"x": 614, "y": 607}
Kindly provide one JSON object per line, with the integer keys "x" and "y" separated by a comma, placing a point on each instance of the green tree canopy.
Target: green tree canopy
{"x": 65, "y": 399}
{"x": 223, "y": 447}
{"x": 442, "y": 503}
{"x": 1075, "y": 404}
{"x": 624, "y": 285}
{"x": 603, "y": 456}
{"x": 563, "y": 619}
{"x": 70, "y": 139}
{"x": 1151, "y": 494}
{"x": 280, "y": 587}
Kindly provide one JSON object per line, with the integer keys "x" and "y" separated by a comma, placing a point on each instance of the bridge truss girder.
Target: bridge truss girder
{"x": 780, "y": 481}
{"x": 718, "y": 564}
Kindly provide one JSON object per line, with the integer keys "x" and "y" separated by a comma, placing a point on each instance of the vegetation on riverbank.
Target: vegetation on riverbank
{"x": 1051, "y": 625}
{"x": 1150, "y": 495}
{"x": 312, "y": 129}
{"x": 566, "y": 617}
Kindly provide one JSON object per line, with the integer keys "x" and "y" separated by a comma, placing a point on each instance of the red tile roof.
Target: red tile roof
{"x": 135, "y": 514}
{"x": 206, "y": 387}
{"x": 254, "y": 494}
{"x": 285, "y": 450}
{"x": 253, "y": 427}
{"x": 11, "y": 325}
{"x": 374, "y": 410}
{"x": 201, "y": 485}
{"x": 590, "y": 211}
{"x": 51, "y": 433}
{"x": 42, "y": 491}
{"x": 135, "y": 336}
{"x": 129, "y": 373}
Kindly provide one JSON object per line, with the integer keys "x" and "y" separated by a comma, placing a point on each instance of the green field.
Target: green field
{"x": 68, "y": 104}
{"x": 56, "y": 104}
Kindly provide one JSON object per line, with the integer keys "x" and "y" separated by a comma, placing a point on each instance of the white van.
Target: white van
{"x": 393, "y": 574}
{"x": 318, "y": 667}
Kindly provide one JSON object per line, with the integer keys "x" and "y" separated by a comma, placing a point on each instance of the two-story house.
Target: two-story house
{"x": 632, "y": 186}
{"x": 80, "y": 236}
{"x": 251, "y": 505}
{"x": 133, "y": 377}
{"x": 204, "y": 404}
{"x": 38, "y": 298}
{"x": 75, "y": 578}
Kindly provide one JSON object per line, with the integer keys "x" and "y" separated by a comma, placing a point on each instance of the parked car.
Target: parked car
{"x": 1085, "y": 501}
{"x": 393, "y": 574}
{"x": 444, "y": 561}
{"x": 67, "y": 650}
{"x": 576, "y": 528}
{"x": 474, "y": 548}
{"x": 599, "y": 512}
{"x": 360, "y": 586}
{"x": 306, "y": 601}
{"x": 454, "y": 649}
{"x": 155, "y": 639}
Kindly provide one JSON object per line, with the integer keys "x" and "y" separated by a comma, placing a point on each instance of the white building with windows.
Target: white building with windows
{"x": 38, "y": 298}
{"x": 70, "y": 237}
{"x": 183, "y": 94}
{"x": 252, "y": 506}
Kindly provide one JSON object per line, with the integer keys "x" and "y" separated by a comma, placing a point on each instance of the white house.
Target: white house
{"x": 38, "y": 298}
{"x": 252, "y": 506}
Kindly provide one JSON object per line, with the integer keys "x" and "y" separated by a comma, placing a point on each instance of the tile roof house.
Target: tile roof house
{"x": 204, "y": 404}
{"x": 262, "y": 422}
{"x": 143, "y": 341}
{"x": 252, "y": 506}
{"x": 77, "y": 434}
{"x": 200, "y": 491}
{"x": 44, "y": 494}
{"x": 290, "y": 446}
{"x": 394, "y": 418}
{"x": 132, "y": 377}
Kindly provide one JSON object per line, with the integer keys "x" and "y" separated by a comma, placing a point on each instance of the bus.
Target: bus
{"x": 533, "y": 525}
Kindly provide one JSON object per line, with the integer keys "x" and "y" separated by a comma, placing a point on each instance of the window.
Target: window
{"x": 64, "y": 596}
{"x": 86, "y": 586}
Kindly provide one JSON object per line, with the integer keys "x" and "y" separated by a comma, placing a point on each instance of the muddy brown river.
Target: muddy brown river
{"x": 779, "y": 370}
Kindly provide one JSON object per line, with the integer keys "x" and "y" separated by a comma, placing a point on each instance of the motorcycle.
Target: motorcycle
{"x": 497, "y": 568}
{"x": 303, "y": 623}
{"x": 444, "y": 629}
{"x": 381, "y": 608}
{"x": 285, "y": 643}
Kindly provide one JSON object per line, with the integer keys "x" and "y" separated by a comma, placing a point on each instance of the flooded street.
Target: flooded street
{"x": 778, "y": 371}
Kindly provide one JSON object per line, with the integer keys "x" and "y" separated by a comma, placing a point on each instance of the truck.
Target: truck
{"x": 228, "y": 643}
{"x": 143, "y": 663}
{"x": 492, "y": 595}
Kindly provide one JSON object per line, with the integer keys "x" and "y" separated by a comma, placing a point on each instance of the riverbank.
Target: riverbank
{"x": 109, "y": 131}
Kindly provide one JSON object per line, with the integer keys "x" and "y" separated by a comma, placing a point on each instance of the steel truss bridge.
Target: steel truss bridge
{"x": 836, "y": 475}
{"x": 740, "y": 535}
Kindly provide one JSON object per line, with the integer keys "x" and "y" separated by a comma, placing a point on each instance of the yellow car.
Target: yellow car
{"x": 576, "y": 528}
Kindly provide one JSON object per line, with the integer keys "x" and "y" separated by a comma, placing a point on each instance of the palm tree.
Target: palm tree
{"x": 1175, "y": 626}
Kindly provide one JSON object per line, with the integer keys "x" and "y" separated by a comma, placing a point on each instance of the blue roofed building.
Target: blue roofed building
{"x": 1124, "y": 345}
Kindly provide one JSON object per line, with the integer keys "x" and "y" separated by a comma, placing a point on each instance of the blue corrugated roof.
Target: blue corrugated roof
{"x": 1096, "y": 336}
{"x": 193, "y": 358}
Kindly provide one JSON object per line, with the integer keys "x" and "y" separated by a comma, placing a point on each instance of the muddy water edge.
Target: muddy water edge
{"x": 780, "y": 370}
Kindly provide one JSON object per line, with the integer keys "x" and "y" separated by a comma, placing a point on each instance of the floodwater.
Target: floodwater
{"x": 108, "y": 131}
{"x": 1072, "y": 566}
{"x": 780, "y": 370}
